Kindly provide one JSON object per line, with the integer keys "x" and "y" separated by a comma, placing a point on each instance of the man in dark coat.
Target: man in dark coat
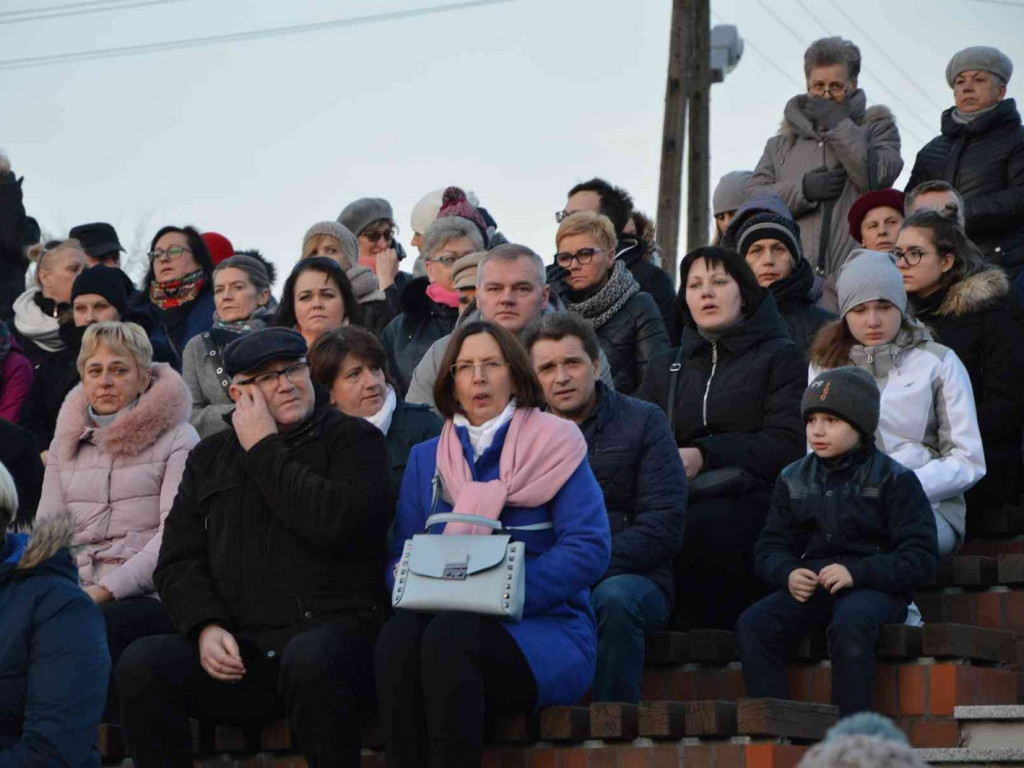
{"x": 17, "y": 232}
{"x": 635, "y": 461}
{"x": 19, "y": 453}
{"x": 599, "y": 196}
{"x": 270, "y": 568}
{"x": 981, "y": 153}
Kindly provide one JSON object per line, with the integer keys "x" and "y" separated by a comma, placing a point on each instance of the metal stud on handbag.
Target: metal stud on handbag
{"x": 475, "y": 574}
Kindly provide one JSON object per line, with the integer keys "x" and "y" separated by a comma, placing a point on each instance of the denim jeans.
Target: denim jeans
{"x": 854, "y": 618}
{"x": 626, "y": 605}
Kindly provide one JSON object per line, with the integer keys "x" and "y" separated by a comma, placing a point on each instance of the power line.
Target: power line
{"x": 234, "y": 37}
{"x": 73, "y": 9}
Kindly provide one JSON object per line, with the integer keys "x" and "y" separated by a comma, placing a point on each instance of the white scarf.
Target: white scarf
{"x": 34, "y": 324}
{"x": 481, "y": 437}
{"x": 382, "y": 418}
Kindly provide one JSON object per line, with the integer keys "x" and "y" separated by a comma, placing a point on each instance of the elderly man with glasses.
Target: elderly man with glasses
{"x": 270, "y": 568}
{"x": 830, "y": 150}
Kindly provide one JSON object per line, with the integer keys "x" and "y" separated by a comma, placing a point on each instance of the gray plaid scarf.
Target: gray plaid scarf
{"x": 613, "y": 295}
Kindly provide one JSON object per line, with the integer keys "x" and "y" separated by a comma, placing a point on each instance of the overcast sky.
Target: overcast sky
{"x": 516, "y": 100}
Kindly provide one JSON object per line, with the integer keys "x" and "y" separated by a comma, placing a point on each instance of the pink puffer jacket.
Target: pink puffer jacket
{"x": 118, "y": 483}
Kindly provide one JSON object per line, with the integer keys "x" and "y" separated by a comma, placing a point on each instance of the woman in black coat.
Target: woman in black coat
{"x": 732, "y": 392}
{"x": 350, "y": 364}
{"x": 968, "y": 305}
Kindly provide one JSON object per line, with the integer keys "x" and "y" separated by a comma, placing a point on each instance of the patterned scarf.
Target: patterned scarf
{"x": 599, "y": 308}
{"x": 175, "y": 293}
{"x": 225, "y": 331}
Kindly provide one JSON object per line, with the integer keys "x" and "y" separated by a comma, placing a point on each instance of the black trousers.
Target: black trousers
{"x": 323, "y": 680}
{"x": 437, "y": 678}
{"x": 129, "y": 620}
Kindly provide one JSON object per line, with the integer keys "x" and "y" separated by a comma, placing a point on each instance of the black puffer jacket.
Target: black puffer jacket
{"x": 862, "y": 510}
{"x": 285, "y": 536}
{"x": 655, "y": 281}
{"x": 411, "y": 424}
{"x": 980, "y": 319}
{"x": 17, "y": 232}
{"x": 738, "y": 399}
{"x": 408, "y": 337}
{"x": 796, "y": 303}
{"x": 984, "y": 161}
{"x": 635, "y": 461}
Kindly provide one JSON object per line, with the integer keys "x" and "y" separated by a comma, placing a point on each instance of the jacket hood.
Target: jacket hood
{"x": 630, "y": 249}
{"x": 975, "y": 293}
{"x": 763, "y": 324}
{"x": 1004, "y": 115}
{"x": 759, "y": 202}
{"x": 796, "y": 124}
{"x": 795, "y": 288}
{"x": 166, "y": 404}
{"x": 414, "y": 300}
{"x": 40, "y": 552}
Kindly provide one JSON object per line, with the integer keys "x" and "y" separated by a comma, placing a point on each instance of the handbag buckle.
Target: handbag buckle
{"x": 456, "y": 567}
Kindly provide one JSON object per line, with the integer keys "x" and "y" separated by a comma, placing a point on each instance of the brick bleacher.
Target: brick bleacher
{"x": 693, "y": 711}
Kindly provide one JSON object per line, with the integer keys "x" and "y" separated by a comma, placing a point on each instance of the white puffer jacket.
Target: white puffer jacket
{"x": 928, "y": 420}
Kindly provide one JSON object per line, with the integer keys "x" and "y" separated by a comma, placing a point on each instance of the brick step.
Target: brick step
{"x": 1007, "y": 521}
{"x": 993, "y": 547}
{"x": 995, "y": 608}
{"x": 965, "y": 571}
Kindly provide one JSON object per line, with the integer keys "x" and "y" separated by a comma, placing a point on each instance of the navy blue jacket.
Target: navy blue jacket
{"x": 862, "y": 510}
{"x": 54, "y": 664}
{"x": 634, "y": 458}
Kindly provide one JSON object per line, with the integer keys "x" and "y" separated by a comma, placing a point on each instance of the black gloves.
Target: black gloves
{"x": 825, "y": 113}
{"x": 823, "y": 184}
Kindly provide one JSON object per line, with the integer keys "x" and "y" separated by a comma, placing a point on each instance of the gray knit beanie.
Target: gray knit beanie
{"x": 848, "y": 392}
{"x": 868, "y": 276}
{"x": 980, "y": 57}
{"x": 731, "y": 191}
{"x": 341, "y": 233}
{"x": 769, "y": 226}
{"x": 358, "y": 215}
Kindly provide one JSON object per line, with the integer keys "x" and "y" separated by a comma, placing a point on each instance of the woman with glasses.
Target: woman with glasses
{"x": 430, "y": 305}
{"x": 604, "y": 293}
{"x": 927, "y": 420}
{"x": 968, "y": 306}
{"x": 351, "y": 365}
{"x": 501, "y": 457}
{"x": 317, "y": 297}
{"x": 115, "y": 462}
{"x": 178, "y": 291}
{"x": 373, "y": 223}
{"x": 241, "y": 291}
{"x": 831, "y": 149}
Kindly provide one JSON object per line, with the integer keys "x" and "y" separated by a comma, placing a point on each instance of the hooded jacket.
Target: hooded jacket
{"x": 927, "y": 420}
{"x": 794, "y": 296}
{"x": 53, "y": 654}
{"x": 866, "y": 145}
{"x": 863, "y": 510}
{"x": 737, "y": 399}
{"x": 118, "y": 483}
{"x": 980, "y": 320}
{"x": 408, "y": 337}
{"x": 984, "y": 161}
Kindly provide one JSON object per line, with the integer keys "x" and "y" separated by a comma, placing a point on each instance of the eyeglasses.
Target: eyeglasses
{"x": 373, "y": 237}
{"x": 820, "y": 89}
{"x": 446, "y": 258}
{"x": 269, "y": 379}
{"x": 171, "y": 253}
{"x": 912, "y": 256}
{"x": 583, "y": 256}
{"x": 560, "y": 215}
{"x": 487, "y": 369}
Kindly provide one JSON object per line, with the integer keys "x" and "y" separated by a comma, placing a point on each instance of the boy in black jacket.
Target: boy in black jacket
{"x": 850, "y": 536}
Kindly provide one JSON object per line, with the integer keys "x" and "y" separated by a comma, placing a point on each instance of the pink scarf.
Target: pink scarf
{"x": 369, "y": 261}
{"x": 443, "y": 296}
{"x": 540, "y": 454}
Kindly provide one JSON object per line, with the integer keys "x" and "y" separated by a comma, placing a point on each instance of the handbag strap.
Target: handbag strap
{"x": 673, "y": 380}
{"x": 494, "y": 525}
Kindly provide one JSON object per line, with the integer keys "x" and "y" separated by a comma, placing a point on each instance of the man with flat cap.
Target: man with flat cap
{"x": 271, "y": 569}
{"x": 100, "y": 242}
{"x": 980, "y": 152}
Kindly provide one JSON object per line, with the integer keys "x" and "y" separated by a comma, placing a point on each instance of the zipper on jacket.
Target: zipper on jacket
{"x": 707, "y": 387}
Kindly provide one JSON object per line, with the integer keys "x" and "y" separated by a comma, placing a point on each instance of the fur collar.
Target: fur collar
{"x": 975, "y": 293}
{"x": 48, "y": 538}
{"x": 166, "y": 404}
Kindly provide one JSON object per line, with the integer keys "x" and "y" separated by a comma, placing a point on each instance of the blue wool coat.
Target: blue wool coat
{"x": 54, "y": 664}
{"x": 199, "y": 319}
{"x": 558, "y": 632}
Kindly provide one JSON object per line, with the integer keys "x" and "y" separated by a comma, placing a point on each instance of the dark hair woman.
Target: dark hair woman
{"x": 317, "y": 297}
{"x": 499, "y": 456}
{"x": 351, "y": 364}
{"x": 969, "y": 307}
{"x": 732, "y": 391}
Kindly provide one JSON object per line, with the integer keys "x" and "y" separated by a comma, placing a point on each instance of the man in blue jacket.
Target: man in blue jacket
{"x": 634, "y": 458}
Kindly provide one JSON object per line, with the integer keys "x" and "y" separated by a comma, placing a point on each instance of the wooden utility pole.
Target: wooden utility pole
{"x": 699, "y": 164}
{"x": 673, "y": 137}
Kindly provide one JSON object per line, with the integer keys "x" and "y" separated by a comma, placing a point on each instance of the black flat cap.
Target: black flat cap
{"x": 258, "y": 348}
{"x": 98, "y": 239}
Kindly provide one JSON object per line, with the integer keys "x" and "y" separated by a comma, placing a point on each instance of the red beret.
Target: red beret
{"x": 220, "y": 247}
{"x": 890, "y": 197}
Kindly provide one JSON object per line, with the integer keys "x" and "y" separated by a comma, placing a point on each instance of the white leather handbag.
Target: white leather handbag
{"x": 474, "y": 574}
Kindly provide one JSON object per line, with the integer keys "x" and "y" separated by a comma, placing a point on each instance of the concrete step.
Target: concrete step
{"x": 973, "y": 758}
{"x": 991, "y": 727}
